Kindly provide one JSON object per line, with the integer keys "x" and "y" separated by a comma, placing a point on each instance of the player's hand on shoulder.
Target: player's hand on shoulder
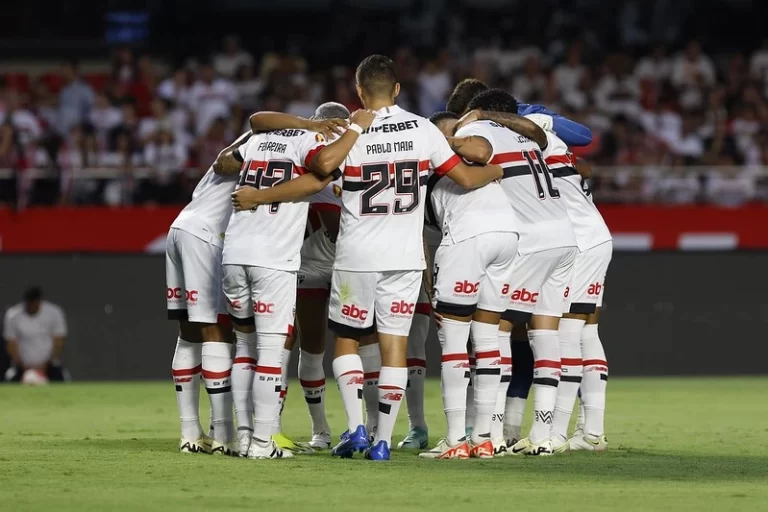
{"x": 468, "y": 118}
{"x": 328, "y": 128}
{"x": 246, "y": 198}
{"x": 363, "y": 118}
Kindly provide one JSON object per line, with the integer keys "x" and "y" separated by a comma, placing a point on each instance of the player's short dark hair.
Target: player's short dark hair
{"x": 494, "y": 100}
{"x": 442, "y": 116}
{"x": 331, "y": 110}
{"x": 376, "y": 75}
{"x": 33, "y": 294}
{"x": 463, "y": 93}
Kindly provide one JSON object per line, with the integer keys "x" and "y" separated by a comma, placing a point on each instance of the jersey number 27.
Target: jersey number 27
{"x": 257, "y": 174}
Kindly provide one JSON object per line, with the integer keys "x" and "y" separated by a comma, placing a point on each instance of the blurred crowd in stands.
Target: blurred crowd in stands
{"x": 655, "y": 114}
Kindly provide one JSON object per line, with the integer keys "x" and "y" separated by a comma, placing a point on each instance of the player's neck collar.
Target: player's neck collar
{"x": 388, "y": 111}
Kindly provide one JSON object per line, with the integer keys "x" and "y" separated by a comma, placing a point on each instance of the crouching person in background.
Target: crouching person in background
{"x": 34, "y": 332}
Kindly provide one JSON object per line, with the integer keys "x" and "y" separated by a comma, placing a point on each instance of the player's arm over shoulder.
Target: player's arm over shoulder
{"x": 231, "y": 158}
{"x": 447, "y": 163}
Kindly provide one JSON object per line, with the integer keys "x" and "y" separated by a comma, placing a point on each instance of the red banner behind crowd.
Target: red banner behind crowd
{"x": 143, "y": 229}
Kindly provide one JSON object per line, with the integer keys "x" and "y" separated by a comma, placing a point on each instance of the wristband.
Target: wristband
{"x": 356, "y": 128}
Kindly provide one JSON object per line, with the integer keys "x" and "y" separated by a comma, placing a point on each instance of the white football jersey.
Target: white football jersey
{"x": 588, "y": 224}
{"x": 462, "y": 213}
{"x": 271, "y": 236}
{"x": 318, "y": 246}
{"x": 543, "y": 219}
{"x": 384, "y": 182}
{"x": 207, "y": 214}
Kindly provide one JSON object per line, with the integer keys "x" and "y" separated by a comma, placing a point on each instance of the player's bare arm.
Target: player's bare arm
{"x": 328, "y": 159}
{"x": 229, "y": 161}
{"x": 472, "y": 148}
{"x": 584, "y": 168}
{"x": 247, "y": 198}
{"x": 514, "y": 122}
{"x": 472, "y": 176}
{"x": 269, "y": 121}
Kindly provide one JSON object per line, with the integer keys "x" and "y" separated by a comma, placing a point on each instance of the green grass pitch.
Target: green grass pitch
{"x": 675, "y": 444}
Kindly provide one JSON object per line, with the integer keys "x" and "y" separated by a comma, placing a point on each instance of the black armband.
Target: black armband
{"x": 336, "y": 174}
{"x": 237, "y": 156}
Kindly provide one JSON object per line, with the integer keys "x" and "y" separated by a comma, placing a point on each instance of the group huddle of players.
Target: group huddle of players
{"x": 321, "y": 222}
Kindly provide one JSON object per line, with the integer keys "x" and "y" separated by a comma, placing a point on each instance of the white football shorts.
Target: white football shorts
{"x": 585, "y": 292}
{"x": 538, "y": 285}
{"x": 193, "y": 279}
{"x": 358, "y": 299}
{"x": 266, "y": 295}
{"x": 474, "y": 273}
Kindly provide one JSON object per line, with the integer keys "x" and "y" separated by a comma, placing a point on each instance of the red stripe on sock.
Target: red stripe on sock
{"x": 216, "y": 375}
{"x": 290, "y": 330}
{"x": 487, "y": 355}
{"x": 283, "y": 393}
{"x": 545, "y": 363}
{"x": 351, "y": 372}
{"x": 312, "y": 383}
{"x": 423, "y": 309}
{"x": 472, "y": 361}
{"x": 506, "y": 360}
{"x": 454, "y": 357}
{"x": 270, "y": 370}
{"x": 244, "y": 360}
{"x": 391, "y": 388}
{"x": 594, "y": 362}
{"x": 372, "y": 375}
{"x": 421, "y": 363}
{"x": 565, "y": 361}
{"x": 187, "y": 371}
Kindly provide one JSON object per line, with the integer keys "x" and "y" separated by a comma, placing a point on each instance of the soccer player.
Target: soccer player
{"x": 261, "y": 257}
{"x": 542, "y": 271}
{"x": 194, "y": 298}
{"x": 379, "y": 253}
{"x": 582, "y": 355}
{"x": 472, "y": 277}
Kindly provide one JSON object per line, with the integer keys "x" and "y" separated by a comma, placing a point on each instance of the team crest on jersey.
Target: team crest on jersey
{"x": 319, "y": 137}
{"x": 337, "y": 191}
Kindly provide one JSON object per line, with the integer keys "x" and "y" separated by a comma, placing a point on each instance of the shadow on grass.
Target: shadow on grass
{"x": 615, "y": 464}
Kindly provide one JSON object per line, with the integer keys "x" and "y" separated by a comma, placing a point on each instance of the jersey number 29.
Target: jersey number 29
{"x": 255, "y": 174}
{"x": 376, "y": 179}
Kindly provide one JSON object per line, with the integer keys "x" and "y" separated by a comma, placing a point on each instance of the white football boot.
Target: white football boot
{"x": 320, "y": 441}
{"x": 588, "y": 442}
{"x": 201, "y": 445}
{"x": 268, "y": 450}
{"x": 526, "y": 447}
{"x": 243, "y": 442}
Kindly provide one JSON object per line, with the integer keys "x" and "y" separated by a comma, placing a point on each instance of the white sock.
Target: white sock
{"x": 505, "y": 350}
{"x": 217, "y": 375}
{"x": 513, "y": 417}
{"x": 454, "y": 376}
{"x": 243, "y": 368}
{"x": 485, "y": 339}
{"x": 570, "y": 379}
{"x": 278, "y": 428}
{"x": 470, "y": 401}
{"x": 594, "y": 382}
{"x": 392, "y": 384}
{"x": 417, "y": 371}
{"x": 348, "y": 371}
{"x": 582, "y": 415}
{"x": 186, "y": 368}
{"x": 267, "y": 384}
{"x": 312, "y": 379}
{"x": 546, "y": 377}
{"x": 370, "y": 356}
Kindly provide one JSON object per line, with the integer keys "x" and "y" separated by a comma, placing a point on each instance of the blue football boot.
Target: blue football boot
{"x": 378, "y": 452}
{"x": 350, "y": 443}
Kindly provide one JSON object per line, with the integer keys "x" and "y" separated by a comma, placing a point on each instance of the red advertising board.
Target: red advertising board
{"x": 143, "y": 229}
